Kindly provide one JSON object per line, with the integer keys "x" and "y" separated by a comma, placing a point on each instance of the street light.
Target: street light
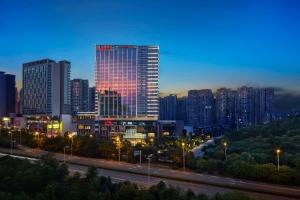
{"x": 183, "y": 155}
{"x": 38, "y": 138}
{"x": 278, "y": 151}
{"x": 149, "y": 157}
{"x": 71, "y": 136}
{"x": 65, "y": 153}
{"x": 20, "y": 137}
{"x": 11, "y": 142}
{"x": 119, "y": 146}
{"x": 225, "y": 149}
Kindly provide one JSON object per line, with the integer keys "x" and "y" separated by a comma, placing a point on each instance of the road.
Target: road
{"x": 142, "y": 181}
{"x": 197, "y": 151}
{"x": 201, "y": 183}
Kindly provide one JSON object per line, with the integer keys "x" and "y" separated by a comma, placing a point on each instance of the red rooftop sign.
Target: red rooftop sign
{"x": 103, "y": 48}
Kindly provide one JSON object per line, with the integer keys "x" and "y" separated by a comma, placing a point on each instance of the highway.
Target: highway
{"x": 199, "y": 183}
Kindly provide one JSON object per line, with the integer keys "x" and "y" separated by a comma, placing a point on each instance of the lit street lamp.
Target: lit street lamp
{"x": 11, "y": 141}
{"x": 71, "y": 136}
{"x": 38, "y": 139}
{"x": 65, "y": 153}
{"x": 20, "y": 137}
{"x": 225, "y": 149}
{"x": 183, "y": 155}
{"x": 149, "y": 157}
{"x": 278, "y": 151}
{"x": 119, "y": 146}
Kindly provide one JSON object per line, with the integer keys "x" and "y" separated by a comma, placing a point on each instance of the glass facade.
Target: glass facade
{"x": 127, "y": 81}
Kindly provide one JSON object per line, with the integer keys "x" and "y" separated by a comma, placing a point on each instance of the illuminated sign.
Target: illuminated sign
{"x": 134, "y": 136}
{"x": 108, "y": 122}
{"x": 104, "y": 48}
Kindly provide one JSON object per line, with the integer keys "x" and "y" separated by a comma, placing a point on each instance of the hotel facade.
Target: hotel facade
{"x": 126, "y": 83}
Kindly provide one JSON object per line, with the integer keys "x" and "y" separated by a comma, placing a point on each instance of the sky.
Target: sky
{"x": 203, "y": 44}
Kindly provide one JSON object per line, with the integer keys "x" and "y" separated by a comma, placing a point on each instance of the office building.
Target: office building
{"x": 91, "y": 99}
{"x": 201, "y": 109}
{"x": 46, "y": 87}
{"x": 7, "y": 94}
{"x": 79, "y": 95}
{"x": 168, "y": 107}
{"x": 225, "y": 108}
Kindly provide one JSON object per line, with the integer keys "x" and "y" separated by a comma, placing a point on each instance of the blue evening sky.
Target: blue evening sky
{"x": 203, "y": 44}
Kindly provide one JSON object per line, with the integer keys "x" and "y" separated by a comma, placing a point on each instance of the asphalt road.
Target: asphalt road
{"x": 200, "y": 183}
{"x": 142, "y": 181}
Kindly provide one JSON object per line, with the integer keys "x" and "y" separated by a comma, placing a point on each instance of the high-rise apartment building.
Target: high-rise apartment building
{"x": 245, "y": 107}
{"x": 182, "y": 109}
{"x": 46, "y": 87}
{"x": 254, "y": 106}
{"x": 201, "y": 108}
{"x": 168, "y": 107}
{"x": 264, "y": 105}
{"x": 127, "y": 81}
{"x": 7, "y": 94}
{"x": 79, "y": 95}
{"x": 225, "y": 108}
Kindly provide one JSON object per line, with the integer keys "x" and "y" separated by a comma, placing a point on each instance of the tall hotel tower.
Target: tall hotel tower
{"x": 127, "y": 82}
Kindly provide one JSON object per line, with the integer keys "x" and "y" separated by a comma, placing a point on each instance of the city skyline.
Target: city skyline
{"x": 158, "y": 100}
{"x": 203, "y": 46}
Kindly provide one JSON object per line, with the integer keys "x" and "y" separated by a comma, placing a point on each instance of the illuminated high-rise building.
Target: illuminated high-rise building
{"x": 127, "y": 82}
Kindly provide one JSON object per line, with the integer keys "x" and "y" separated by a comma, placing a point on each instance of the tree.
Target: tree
{"x": 232, "y": 196}
{"x": 204, "y": 165}
{"x": 126, "y": 191}
{"x": 91, "y": 173}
